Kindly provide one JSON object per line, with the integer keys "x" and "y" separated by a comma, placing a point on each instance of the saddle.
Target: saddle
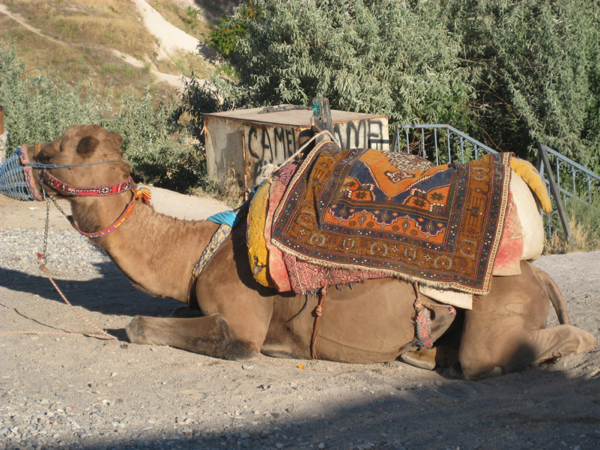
{"x": 346, "y": 216}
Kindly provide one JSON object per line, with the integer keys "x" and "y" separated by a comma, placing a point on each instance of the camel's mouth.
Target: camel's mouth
{"x": 17, "y": 180}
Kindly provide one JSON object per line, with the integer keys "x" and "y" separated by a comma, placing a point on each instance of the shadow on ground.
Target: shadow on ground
{"x": 510, "y": 412}
{"x": 110, "y": 293}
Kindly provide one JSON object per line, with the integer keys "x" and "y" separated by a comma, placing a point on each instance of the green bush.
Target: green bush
{"x": 40, "y": 109}
{"x": 510, "y": 73}
{"x": 230, "y": 30}
{"x": 535, "y": 67}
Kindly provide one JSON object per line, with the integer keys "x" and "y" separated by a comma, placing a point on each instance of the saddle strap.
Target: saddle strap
{"x": 422, "y": 321}
{"x": 318, "y": 314}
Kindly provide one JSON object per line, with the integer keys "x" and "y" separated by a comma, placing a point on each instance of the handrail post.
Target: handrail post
{"x": 3, "y": 137}
{"x": 556, "y": 194}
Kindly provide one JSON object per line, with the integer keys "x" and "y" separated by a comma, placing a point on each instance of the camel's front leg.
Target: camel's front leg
{"x": 211, "y": 336}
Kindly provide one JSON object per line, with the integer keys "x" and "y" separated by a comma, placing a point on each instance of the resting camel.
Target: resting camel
{"x": 233, "y": 317}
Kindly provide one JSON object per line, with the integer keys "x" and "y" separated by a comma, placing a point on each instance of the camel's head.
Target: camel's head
{"x": 82, "y": 144}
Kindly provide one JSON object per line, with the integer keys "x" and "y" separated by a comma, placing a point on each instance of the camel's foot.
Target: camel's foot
{"x": 429, "y": 359}
{"x": 423, "y": 359}
{"x": 136, "y": 332}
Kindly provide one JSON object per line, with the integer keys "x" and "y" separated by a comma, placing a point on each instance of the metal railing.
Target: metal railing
{"x": 565, "y": 180}
{"x": 457, "y": 144}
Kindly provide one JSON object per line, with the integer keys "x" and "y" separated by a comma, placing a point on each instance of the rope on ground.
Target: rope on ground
{"x": 103, "y": 334}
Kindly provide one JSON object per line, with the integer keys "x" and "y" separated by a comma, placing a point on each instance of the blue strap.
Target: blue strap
{"x": 230, "y": 218}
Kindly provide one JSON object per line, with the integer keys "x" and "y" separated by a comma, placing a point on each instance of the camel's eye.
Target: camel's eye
{"x": 43, "y": 157}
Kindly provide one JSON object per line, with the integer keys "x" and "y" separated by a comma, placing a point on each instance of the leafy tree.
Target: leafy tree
{"x": 536, "y": 72}
{"x": 512, "y": 73}
{"x": 226, "y": 36}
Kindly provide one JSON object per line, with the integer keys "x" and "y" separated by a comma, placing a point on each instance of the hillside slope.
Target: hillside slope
{"x": 126, "y": 44}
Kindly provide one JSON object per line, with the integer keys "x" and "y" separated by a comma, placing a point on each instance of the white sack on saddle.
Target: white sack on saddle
{"x": 530, "y": 217}
{"x": 448, "y": 296}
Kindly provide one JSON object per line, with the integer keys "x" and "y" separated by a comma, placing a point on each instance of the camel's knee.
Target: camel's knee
{"x": 506, "y": 353}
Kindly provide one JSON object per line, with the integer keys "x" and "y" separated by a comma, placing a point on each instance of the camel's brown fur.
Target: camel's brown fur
{"x": 236, "y": 318}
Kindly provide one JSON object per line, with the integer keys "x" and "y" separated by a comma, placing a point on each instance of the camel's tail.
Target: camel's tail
{"x": 534, "y": 180}
{"x": 556, "y": 296}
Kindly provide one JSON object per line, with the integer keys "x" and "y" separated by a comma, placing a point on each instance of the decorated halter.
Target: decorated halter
{"x": 139, "y": 193}
{"x": 85, "y": 191}
{"x": 17, "y": 182}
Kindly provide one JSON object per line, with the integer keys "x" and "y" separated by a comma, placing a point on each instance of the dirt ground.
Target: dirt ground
{"x": 82, "y": 392}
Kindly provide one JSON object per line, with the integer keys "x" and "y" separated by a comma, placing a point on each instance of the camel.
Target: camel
{"x": 229, "y": 315}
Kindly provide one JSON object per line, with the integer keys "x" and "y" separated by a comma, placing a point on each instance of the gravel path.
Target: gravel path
{"x": 61, "y": 391}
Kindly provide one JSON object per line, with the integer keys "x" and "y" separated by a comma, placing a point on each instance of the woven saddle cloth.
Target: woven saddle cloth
{"x": 388, "y": 214}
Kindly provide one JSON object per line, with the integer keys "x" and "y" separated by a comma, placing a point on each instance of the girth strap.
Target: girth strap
{"x": 318, "y": 314}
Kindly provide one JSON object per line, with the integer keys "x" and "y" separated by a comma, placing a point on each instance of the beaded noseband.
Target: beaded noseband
{"x": 86, "y": 191}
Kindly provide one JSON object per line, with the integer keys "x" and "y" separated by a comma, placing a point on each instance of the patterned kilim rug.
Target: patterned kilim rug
{"x": 396, "y": 214}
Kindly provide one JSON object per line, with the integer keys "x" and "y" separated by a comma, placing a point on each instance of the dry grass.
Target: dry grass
{"x": 228, "y": 191}
{"x": 112, "y": 23}
{"x": 182, "y": 62}
{"x": 189, "y": 19}
{"x": 584, "y": 223}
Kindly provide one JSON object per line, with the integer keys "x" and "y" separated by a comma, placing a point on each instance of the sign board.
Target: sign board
{"x": 241, "y": 142}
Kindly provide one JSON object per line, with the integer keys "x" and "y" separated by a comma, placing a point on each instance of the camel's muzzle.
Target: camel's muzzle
{"x": 16, "y": 177}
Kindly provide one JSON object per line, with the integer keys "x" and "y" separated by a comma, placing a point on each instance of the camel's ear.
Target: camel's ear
{"x": 87, "y": 145}
{"x": 117, "y": 138}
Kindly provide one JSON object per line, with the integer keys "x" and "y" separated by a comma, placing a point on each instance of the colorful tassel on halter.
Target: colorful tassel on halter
{"x": 143, "y": 194}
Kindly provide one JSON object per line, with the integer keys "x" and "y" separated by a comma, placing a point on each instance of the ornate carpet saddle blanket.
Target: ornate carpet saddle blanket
{"x": 395, "y": 215}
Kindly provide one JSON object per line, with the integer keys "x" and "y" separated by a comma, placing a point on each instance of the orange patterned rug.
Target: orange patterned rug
{"x": 396, "y": 214}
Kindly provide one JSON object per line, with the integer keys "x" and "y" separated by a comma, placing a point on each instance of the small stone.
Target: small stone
{"x": 279, "y": 445}
{"x": 247, "y": 367}
{"x": 438, "y": 383}
{"x": 114, "y": 374}
{"x": 321, "y": 445}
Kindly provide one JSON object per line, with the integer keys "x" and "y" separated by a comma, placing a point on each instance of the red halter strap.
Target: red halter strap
{"x": 98, "y": 191}
{"x": 86, "y": 191}
{"x": 116, "y": 224}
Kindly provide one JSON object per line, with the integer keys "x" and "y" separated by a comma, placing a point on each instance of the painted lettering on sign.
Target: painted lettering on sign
{"x": 269, "y": 144}
{"x": 368, "y": 133}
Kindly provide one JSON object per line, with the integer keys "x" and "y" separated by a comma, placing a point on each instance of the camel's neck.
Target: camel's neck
{"x": 156, "y": 252}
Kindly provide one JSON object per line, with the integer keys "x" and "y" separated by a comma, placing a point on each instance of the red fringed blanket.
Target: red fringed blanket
{"x": 396, "y": 214}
